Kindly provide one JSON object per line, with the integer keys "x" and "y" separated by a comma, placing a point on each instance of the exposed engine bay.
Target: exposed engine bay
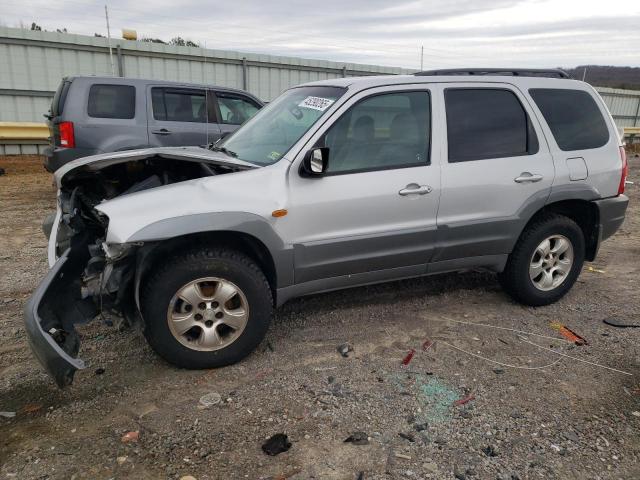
{"x": 90, "y": 277}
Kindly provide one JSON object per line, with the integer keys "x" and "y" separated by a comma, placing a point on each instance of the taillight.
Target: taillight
{"x": 625, "y": 171}
{"x": 66, "y": 135}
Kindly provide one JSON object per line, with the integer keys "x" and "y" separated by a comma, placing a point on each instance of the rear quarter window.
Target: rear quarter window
{"x": 112, "y": 101}
{"x": 573, "y": 116}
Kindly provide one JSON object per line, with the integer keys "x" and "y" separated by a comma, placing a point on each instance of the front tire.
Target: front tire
{"x": 545, "y": 262}
{"x": 206, "y": 308}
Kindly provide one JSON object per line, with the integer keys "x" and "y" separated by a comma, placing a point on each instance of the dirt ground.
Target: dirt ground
{"x": 567, "y": 420}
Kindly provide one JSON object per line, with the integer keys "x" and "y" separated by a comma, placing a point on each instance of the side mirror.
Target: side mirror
{"x": 316, "y": 162}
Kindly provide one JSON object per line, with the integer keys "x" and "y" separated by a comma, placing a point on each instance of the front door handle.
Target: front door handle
{"x": 162, "y": 131}
{"x": 528, "y": 177}
{"x": 415, "y": 189}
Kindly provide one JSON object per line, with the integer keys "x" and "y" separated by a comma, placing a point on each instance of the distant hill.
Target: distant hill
{"x": 606, "y": 76}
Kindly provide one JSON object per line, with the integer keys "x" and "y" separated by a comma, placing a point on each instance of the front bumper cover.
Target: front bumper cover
{"x": 51, "y": 313}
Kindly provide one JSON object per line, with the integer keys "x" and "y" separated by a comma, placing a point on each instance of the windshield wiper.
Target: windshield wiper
{"x": 224, "y": 150}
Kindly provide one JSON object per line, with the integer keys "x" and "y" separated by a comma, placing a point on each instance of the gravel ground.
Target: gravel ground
{"x": 567, "y": 420}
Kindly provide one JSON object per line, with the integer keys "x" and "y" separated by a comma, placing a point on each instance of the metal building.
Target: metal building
{"x": 33, "y": 62}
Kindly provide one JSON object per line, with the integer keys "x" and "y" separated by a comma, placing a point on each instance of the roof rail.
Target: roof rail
{"x": 514, "y": 72}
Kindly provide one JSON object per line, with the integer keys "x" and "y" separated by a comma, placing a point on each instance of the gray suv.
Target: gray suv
{"x": 91, "y": 115}
{"x": 334, "y": 184}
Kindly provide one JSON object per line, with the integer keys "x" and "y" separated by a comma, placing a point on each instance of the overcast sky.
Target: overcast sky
{"x": 512, "y": 33}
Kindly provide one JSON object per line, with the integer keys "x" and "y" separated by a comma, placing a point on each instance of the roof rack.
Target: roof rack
{"x": 514, "y": 72}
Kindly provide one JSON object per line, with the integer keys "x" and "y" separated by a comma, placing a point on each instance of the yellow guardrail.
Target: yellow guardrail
{"x": 631, "y": 130}
{"x": 12, "y": 131}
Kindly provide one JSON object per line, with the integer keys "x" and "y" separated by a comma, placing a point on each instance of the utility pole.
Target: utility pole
{"x": 106, "y": 14}
{"x": 422, "y": 58}
{"x": 584, "y": 74}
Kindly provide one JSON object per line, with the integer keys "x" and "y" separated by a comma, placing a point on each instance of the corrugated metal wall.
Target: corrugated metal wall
{"x": 32, "y": 64}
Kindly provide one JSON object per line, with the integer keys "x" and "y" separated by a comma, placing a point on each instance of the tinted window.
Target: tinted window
{"x": 234, "y": 109}
{"x": 179, "y": 105}
{"x": 573, "y": 117}
{"x": 383, "y": 131}
{"x": 112, "y": 101}
{"x": 59, "y": 99}
{"x": 487, "y": 123}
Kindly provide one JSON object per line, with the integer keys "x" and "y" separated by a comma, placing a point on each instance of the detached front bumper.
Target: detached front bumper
{"x": 51, "y": 313}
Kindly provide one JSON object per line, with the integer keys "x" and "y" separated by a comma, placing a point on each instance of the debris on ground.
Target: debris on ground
{"x": 465, "y": 400}
{"x": 2, "y": 171}
{"x": 344, "y": 349}
{"x": 99, "y": 371}
{"x": 403, "y": 456}
{"x": 7, "y": 414}
{"x": 277, "y": 444}
{"x": 568, "y": 334}
{"x": 131, "y": 437}
{"x": 360, "y": 476}
{"x": 121, "y": 460}
{"x": 407, "y": 436}
{"x": 498, "y": 371}
{"x": 358, "y": 438}
{"x": 490, "y": 451}
{"x": 614, "y": 322}
{"x": 31, "y": 408}
{"x": 210, "y": 399}
{"x": 187, "y": 477}
{"x": 596, "y": 270}
{"x": 407, "y": 359}
{"x": 426, "y": 345}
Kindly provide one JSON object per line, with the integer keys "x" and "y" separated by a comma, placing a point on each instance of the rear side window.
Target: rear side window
{"x": 573, "y": 117}
{"x": 485, "y": 123}
{"x": 112, "y": 101}
{"x": 173, "y": 105}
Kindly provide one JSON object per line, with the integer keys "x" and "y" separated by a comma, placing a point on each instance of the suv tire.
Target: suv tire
{"x": 188, "y": 300}
{"x": 545, "y": 262}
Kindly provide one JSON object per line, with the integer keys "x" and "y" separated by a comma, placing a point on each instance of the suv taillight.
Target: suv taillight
{"x": 66, "y": 135}
{"x": 625, "y": 171}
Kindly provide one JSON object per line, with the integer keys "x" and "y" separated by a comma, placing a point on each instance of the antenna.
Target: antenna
{"x": 422, "y": 58}
{"x": 106, "y": 14}
{"x": 206, "y": 92}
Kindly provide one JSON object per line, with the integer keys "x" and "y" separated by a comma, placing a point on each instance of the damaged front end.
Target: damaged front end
{"x": 90, "y": 278}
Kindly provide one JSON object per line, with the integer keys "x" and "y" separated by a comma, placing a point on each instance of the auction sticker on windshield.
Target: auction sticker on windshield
{"x": 316, "y": 103}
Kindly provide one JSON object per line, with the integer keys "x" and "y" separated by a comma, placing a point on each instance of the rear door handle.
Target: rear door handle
{"x": 162, "y": 131}
{"x": 415, "y": 189}
{"x": 527, "y": 177}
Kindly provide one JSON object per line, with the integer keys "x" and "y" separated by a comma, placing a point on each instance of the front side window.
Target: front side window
{"x": 383, "y": 131}
{"x": 573, "y": 117}
{"x": 112, "y": 101}
{"x": 485, "y": 123}
{"x": 235, "y": 110}
{"x": 174, "y": 105}
{"x": 271, "y": 133}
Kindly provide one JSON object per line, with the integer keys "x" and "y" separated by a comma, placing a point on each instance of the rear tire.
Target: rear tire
{"x": 206, "y": 308}
{"x": 545, "y": 262}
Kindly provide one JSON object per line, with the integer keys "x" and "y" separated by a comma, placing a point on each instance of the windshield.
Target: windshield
{"x": 273, "y": 131}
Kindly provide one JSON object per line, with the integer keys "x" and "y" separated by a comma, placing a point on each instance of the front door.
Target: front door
{"x": 497, "y": 171}
{"x": 375, "y": 208}
{"x": 181, "y": 116}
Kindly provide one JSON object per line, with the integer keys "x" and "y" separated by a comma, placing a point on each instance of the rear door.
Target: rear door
{"x": 180, "y": 116}
{"x": 496, "y": 173}
{"x": 234, "y": 109}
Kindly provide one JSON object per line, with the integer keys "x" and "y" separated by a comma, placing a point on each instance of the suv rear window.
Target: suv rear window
{"x": 112, "y": 101}
{"x": 573, "y": 117}
{"x": 59, "y": 99}
{"x": 487, "y": 123}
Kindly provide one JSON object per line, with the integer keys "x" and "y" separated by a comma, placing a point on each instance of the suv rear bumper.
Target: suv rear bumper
{"x": 56, "y": 157}
{"x": 611, "y": 214}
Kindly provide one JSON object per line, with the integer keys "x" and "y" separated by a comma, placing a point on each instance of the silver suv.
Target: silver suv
{"x": 334, "y": 184}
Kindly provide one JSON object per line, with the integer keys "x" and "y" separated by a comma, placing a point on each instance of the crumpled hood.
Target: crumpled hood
{"x": 195, "y": 154}
{"x": 251, "y": 191}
